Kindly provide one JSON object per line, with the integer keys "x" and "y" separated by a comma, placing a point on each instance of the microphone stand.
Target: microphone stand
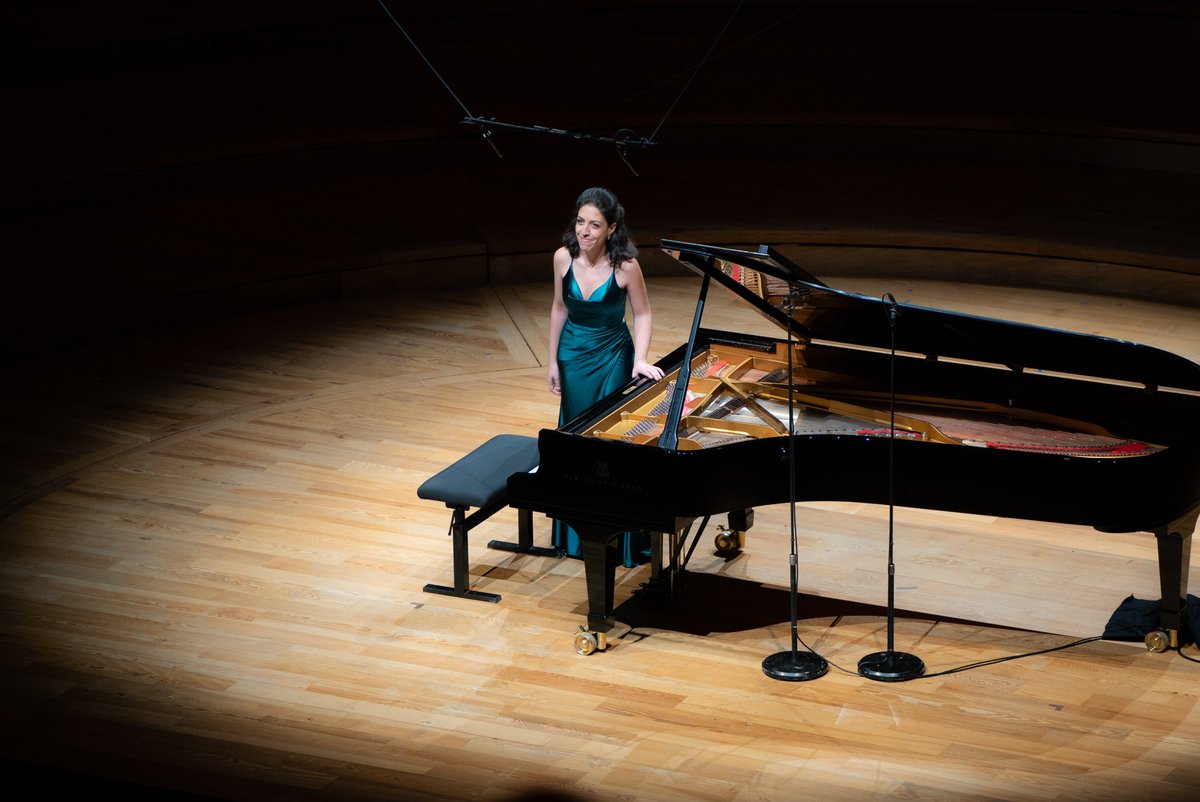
{"x": 890, "y": 665}
{"x": 793, "y": 665}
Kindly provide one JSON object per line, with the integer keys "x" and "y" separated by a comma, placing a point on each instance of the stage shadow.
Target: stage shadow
{"x": 702, "y": 604}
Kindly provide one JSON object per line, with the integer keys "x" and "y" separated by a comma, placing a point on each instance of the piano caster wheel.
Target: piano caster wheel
{"x": 1157, "y": 641}
{"x": 587, "y": 642}
{"x": 728, "y": 541}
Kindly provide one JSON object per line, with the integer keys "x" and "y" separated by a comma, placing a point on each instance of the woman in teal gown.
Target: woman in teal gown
{"x": 592, "y": 352}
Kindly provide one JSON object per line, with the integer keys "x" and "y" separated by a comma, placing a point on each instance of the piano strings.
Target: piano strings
{"x": 992, "y": 431}
{"x": 769, "y": 288}
{"x": 733, "y": 397}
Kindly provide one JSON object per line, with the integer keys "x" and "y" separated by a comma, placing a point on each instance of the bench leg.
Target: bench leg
{"x": 524, "y": 544}
{"x": 462, "y": 573}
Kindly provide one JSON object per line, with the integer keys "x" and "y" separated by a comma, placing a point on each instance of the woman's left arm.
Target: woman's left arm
{"x": 643, "y": 324}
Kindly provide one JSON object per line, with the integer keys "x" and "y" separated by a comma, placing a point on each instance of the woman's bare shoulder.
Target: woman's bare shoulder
{"x": 630, "y": 267}
{"x": 630, "y": 274}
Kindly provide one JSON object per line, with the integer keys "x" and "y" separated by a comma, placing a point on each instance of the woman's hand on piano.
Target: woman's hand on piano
{"x": 646, "y": 370}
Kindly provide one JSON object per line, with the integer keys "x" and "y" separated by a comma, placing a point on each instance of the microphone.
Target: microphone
{"x": 789, "y": 300}
{"x": 891, "y": 665}
{"x": 487, "y": 137}
{"x": 893, "y": 307}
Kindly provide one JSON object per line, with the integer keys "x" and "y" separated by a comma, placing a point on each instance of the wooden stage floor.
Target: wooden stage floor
{"x": 214, "y": 557}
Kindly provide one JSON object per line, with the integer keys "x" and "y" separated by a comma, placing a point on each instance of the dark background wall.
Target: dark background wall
{"x": 173, "y": 160}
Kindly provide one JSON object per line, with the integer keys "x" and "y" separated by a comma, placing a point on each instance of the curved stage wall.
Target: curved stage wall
{"x": 168, "y": 167}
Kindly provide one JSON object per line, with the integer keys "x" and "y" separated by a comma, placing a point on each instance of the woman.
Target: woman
{"x": 591, "y": 351}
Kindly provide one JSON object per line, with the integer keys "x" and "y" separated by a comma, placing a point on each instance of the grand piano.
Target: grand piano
{"x": 866, "y": 400}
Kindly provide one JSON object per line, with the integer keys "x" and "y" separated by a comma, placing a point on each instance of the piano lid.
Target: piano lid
{"x": 768, "y": 281}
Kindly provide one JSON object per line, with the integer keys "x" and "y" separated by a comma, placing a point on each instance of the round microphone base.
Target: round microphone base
{"x": 794, "y": 666}
{"x": 891, "y": 666}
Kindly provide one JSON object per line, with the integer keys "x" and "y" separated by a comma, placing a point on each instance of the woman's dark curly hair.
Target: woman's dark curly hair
{"x": 620, "y": 246}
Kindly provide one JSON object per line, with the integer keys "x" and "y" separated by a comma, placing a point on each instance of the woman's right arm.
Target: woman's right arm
{"x": 558, "y": 317}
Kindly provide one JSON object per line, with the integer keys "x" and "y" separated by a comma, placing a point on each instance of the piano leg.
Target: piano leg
{"x": 664, "y": 564}
{"x": 1174, "y": 562}
{"x": 599, "y": 549}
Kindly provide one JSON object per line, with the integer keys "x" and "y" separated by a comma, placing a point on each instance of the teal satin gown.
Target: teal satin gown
{"x": 595, "y": 358}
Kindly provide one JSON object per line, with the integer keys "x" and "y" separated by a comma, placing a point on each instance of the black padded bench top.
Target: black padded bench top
{"x": 480, "y": 478}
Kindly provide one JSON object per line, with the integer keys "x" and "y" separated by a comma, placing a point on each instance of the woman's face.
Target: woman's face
{"x": 591, "y": 227}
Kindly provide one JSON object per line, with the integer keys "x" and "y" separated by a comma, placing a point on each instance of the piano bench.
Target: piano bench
{"x": 480, "y": 480}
